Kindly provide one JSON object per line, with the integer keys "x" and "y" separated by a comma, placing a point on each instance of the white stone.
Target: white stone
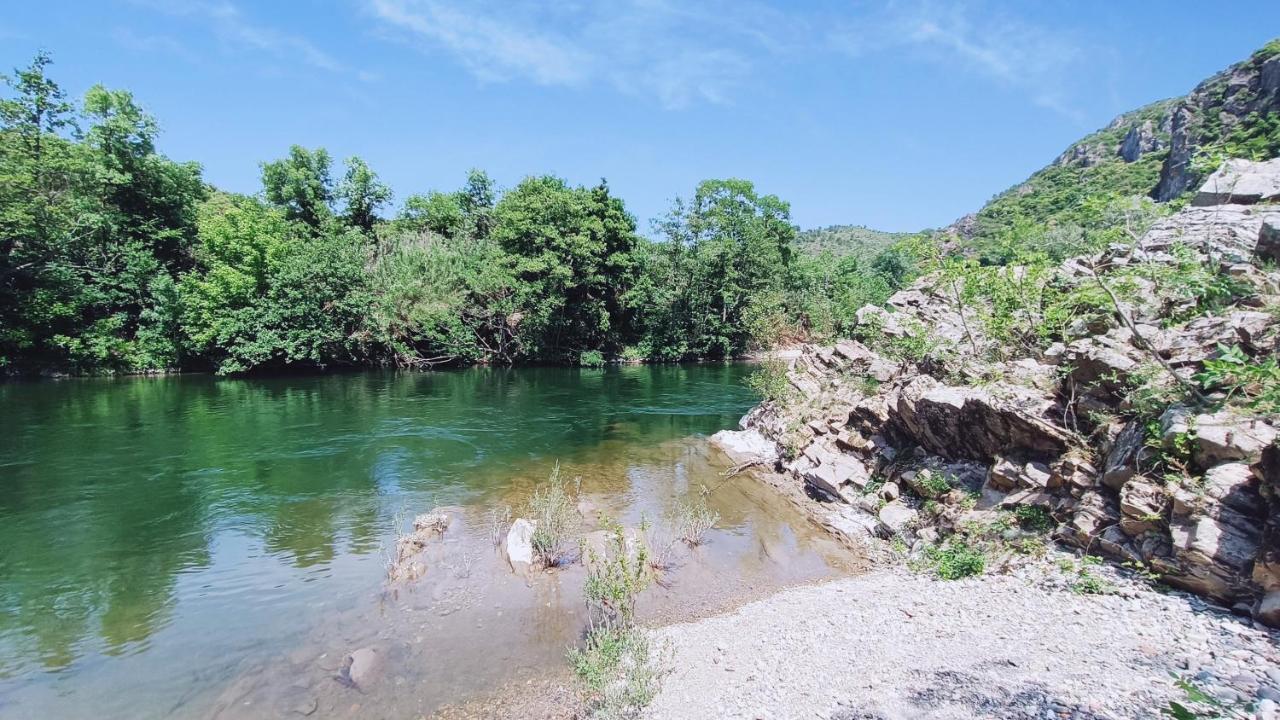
{"x": 746, "y": 446}
{"x": 520, "y": 543}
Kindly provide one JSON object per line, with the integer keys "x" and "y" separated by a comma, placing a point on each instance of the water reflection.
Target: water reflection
{"x": 145, "y": 515}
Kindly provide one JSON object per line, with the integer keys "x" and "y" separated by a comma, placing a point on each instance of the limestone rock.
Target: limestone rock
{"x": 520, "y": 543}
{"x": 967, "y": 422}
{"x": 1241, "y": 182}
{"x": 1268, "y": 611}
{"x": 1216, "y": 553}
{"x": 1143, "y": 504}
{"x": 838, "y": 475}
{"x": 895, "y": 517}
{"x": 744, "y": 446}
{"x": 1140, "y": 139}
{"x": 1233, "y": 485}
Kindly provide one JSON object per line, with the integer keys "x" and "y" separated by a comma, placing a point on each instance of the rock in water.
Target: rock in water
{"x": 743, "y": 446}
{"x": 362, "y": 668}
{"x": 520, "y": 544}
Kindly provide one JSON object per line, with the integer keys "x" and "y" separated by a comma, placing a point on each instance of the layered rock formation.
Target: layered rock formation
{"x": 876, "y": 439}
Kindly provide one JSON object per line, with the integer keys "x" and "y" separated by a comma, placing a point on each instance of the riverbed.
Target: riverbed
{"x": 195, "y": 547}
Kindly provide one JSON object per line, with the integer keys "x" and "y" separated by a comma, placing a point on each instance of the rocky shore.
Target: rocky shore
{"x": 1071, "y": 484}
{"x": 895, "y": 644}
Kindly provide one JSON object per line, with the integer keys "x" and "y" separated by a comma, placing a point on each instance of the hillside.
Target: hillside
{"x": 842, "y": 240}
{"x": 1161, "y": 151}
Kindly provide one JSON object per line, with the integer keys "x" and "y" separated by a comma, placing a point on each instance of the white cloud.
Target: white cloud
{"x": 231, "y": 25}
{"x": 678, "y": 53}
{"x": 1033, "y": 60}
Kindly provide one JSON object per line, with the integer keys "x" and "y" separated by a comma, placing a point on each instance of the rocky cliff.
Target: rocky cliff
{"x": 1163, "y": 150}
{"x": 1133, "y": 412}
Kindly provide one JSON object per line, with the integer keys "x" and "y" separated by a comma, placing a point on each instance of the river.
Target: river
{"x": 198, "y": 547}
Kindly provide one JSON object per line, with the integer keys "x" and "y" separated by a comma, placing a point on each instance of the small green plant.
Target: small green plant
{"x": 956, "y": 559}
{"x": 692, "y": 521}
{"x": 1085, "y": 582}
{"x": 1031, "y": 546}
{"x": 556, "y": 520}
{"x": 933, "y": 485}
{"x": 615, "y": 577}
{"x": 618, "y": 672}
{"x": 1033, "y": 518}
{"x": 617, "y": 668}
{"x": 770, "y": 382}
{"x": 1200, "y": 705}
{"x": 1251, "y": 382}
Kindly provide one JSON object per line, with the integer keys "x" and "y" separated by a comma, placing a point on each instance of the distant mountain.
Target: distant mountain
{"x": 841, "y": 240}
{"x": 1161, "y": 151}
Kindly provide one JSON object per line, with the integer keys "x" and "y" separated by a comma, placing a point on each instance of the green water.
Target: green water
{"x": 155, "y": 529}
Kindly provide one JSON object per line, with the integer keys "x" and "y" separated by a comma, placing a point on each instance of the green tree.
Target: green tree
{"x": 571, "y": 248}
{"x": 301, "y": 184}
{"x": 435, "y": 212}
{"x": 741, "y": 245}
{"x": 361, "y": 193}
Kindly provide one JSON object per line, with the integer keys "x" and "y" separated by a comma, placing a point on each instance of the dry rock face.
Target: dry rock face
{"x": 1018, "y": 436}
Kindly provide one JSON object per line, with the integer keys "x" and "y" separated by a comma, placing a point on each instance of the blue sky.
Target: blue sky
{"x": 896, "y": 115}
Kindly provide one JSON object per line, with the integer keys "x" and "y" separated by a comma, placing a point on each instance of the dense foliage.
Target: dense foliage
{"x": 114, "y": 258}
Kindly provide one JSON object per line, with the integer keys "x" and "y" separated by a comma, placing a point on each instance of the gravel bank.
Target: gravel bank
{"x": 891, "y": 644}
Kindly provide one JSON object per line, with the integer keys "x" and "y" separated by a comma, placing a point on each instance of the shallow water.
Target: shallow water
{"x": 193, "y": 547}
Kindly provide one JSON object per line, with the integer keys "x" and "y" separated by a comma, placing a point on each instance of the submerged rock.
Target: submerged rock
{"x": 362, "y": 668}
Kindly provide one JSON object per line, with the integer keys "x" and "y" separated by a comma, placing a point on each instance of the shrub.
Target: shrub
{"x": 591, "y": 359}
{"x": 693, "y": 520}
{"x": 555, "y": 513}
{"x": 617, "y": 669}
{"x": 618, "y": 672}
{"x": 1253, "y": 382}
{"x": 615, "y": 579}
{"x": 933, "y": 484}
{"x": 1033, "y": 518}
{"x": 770, "y": 382}
{"x": 957, "y": 559}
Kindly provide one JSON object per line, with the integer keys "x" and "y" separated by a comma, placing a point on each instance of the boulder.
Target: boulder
{"x": 1233, "y": 485}
{"x": 520, "y": 543}
{"x": 362, "y": 668}
{"x": 972, "y": 423}
{"x": 743, "y": 446}
{"x": 838, "y": 475}
{"x": 1268, "y": 247}
{"x": 895, "y": 518}
{"x": 1143, "y": 504}
{"x": 1241, "y": 182}
{"x": 1268, "y": 612}
{"x": 1224, "y": 436}
{"x": 1215, "y": 553}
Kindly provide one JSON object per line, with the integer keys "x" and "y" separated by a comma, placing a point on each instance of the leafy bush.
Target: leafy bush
{"x": 1252, "y": 382}
{"x": 1034, "y": 518}
{"x": 770, "y": 382}
{"x": 556, "y": 515}
{"x": 693, "y": 520}
{"x": 956, "y": 559}
{"x": 615, "y": 578}
{"x": 933, "y": 484}
{"x": 618, "y": 672}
